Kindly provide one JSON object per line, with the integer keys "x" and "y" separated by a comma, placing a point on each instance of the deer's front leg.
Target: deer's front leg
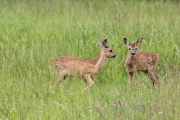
{"x": 87, "y": 77}
{"x": 130, "y": 80}
{"x": 136, "y": 79}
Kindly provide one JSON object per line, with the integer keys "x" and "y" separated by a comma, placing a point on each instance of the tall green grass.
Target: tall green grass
{"x": 32, "y": 33}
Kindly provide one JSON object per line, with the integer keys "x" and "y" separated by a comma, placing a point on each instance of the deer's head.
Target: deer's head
{"x": 105, "y": 49}
{"x": 132, "y": 47}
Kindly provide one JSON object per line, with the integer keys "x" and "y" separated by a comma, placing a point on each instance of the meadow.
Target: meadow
{"x": 32, "y": 33}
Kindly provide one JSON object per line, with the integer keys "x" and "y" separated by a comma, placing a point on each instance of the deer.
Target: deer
{"x": 65, "y": 66}
{"x": 137, "y": 61}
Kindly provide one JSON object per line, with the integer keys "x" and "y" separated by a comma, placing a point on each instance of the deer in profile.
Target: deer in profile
{"x": 137, "y": 61}
{"x": 84, "y": 68}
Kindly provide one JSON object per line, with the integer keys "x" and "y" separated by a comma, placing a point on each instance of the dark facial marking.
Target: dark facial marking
{"x": 133, "y": 45}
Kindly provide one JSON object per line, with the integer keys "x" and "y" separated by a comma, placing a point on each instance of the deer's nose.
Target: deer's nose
{"x": 132, "y": 54}
{"x": 114, "y": 55}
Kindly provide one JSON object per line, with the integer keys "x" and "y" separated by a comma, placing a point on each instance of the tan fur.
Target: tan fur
{"x": 140, "y": 61}
{"x": 83, "y": 68}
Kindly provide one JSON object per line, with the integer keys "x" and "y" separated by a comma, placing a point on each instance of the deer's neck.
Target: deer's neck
{"x": 129, "y": 60}
{"x": 99, "y": 61}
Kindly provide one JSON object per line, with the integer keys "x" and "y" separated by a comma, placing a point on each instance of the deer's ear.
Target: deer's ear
{"x": 126, "y": 42}
{"x": 105, "y": 43}
{"x": 139, "y": 42}
{"x": 99, "y": 42}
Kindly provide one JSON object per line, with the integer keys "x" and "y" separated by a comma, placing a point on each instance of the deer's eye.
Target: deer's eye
{"x": 110, "y": 50}
{"x": 129, "y": 48}
{"x": 135, "y": 48}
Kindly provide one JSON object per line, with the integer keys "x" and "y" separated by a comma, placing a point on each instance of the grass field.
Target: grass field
{"x": 32, "y": 33}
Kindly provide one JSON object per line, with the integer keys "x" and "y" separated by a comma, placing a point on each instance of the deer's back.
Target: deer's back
{"x": 72, "y": 64}
{"x": 146, "y": 57}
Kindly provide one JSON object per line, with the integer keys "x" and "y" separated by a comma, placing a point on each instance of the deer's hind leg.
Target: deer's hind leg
{"x": 155, "y": 79}
{"x": 59, "y": 77}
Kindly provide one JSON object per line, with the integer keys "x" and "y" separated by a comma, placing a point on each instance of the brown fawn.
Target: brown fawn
{"x": 83, "y": 68}
{"x": 140, "y": 61}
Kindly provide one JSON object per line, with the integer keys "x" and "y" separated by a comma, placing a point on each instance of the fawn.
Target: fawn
{"x": 140, "y": 61}
{"x": 83, "y": 68}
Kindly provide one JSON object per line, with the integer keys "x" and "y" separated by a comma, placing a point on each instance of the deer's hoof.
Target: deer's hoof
{"x": 156, "y": 86}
